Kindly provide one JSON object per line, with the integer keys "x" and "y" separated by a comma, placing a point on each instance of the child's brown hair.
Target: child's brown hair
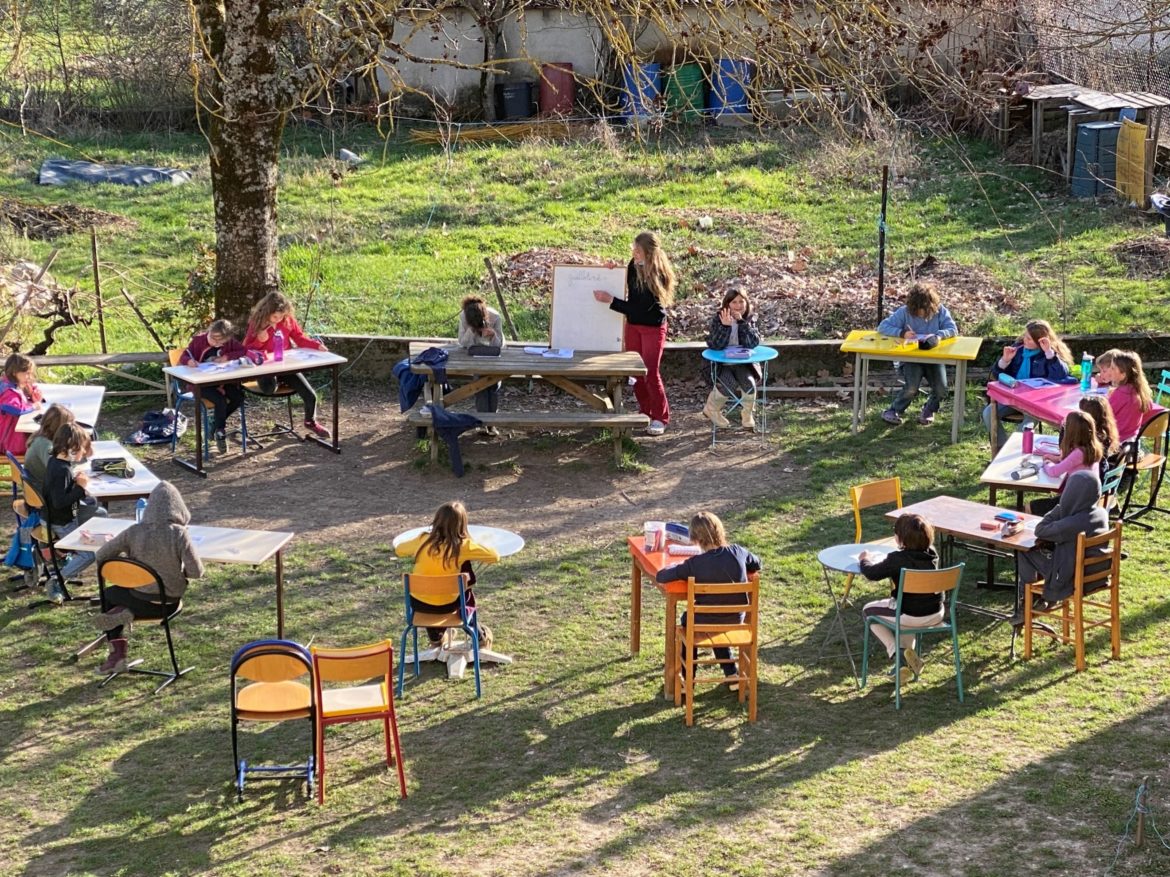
{"x": 707, "y": 530}
{"x": 1080, "y": 431}
{"x": 734, "y": 293}
{"x": 922, "y": 301}
{"x": 53, "y": 419}
{"x": 273, "y": 303}
{"x": 1038, "y": 329}
{"x": 1130, "y": 366}
{"x": 17, "y": 364}
{"x": 222, "y": 328}
{"x": 448, "y": 533}
{"x": 1098, "y": 408}
{"x": 475, "y": 312}
{"x": 914, "y": 532}
{"x": 70, "y": 438}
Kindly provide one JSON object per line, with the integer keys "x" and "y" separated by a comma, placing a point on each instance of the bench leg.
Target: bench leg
{"x": 617, "y": 447}
{"x": 433, "y": 438}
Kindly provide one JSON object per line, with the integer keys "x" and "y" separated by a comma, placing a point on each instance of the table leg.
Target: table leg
{"x": 197, "y": 468}
{"x": 960, "y": 401}
{"x": 856, "y": 390}
{"x": 279, "y": 595}
{"x": 671, "y": 648}
{"x": 635, "y": 608}
{"x": 994, "y": 428}
{"x": 836, "y": 625}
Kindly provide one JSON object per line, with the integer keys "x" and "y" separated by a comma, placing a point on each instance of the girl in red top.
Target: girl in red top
{"x": 1130, "y": 397}
{"x": 272, "y": 314}
{"x": 18, "y": 395}
{"x": 649, "y": 292}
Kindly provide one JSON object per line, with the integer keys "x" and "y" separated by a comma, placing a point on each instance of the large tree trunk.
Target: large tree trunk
{"x": 247, "y": 100}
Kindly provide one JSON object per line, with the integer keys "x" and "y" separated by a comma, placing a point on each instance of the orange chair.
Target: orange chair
{"x": 1095, "y": 573}
{"x": 373, "y": 665}
{"x": 274, "y": 692}
{"x": 743, "y": 636}
{"x": 888, "y": 491}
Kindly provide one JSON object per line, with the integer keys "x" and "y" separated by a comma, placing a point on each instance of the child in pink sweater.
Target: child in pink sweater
{"x": 1130, "y": 397}
{"x": 1080, "y": 451}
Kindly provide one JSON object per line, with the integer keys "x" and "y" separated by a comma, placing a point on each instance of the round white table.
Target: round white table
{"x": 843, "y": 558}
{"x": 455, "y": 655}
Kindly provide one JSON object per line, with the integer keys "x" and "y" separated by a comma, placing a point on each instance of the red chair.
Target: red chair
{"x": 372, "y": 665}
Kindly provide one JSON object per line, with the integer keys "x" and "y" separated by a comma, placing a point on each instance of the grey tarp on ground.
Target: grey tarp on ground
{"x": 63, "y": 172}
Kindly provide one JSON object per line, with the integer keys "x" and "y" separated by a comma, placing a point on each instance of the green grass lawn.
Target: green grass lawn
{"x": 392, "y": 246}
{"x": 573, "y": 762}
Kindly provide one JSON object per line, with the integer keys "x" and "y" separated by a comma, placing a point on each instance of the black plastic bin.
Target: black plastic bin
{"x": 514, "y": 100}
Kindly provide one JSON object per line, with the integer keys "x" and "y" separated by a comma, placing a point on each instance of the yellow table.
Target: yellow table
{"x": 868, "y": 345}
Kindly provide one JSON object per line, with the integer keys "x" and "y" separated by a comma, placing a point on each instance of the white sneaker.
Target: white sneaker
{"x": 656, "y": 427}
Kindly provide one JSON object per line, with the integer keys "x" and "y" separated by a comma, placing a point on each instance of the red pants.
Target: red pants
{"x": 648, "y": 342}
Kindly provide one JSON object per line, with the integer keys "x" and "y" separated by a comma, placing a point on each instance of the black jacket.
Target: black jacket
{"x": 639, "y": 307}
{"x": 891, "y": 567}
{"x": 62, "y": 493}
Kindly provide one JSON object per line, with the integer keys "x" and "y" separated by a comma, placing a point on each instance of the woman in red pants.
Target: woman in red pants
{"x": 649, "y": 292}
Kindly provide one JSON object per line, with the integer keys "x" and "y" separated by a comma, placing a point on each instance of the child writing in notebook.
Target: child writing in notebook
{"x": 1130, "y": 397}
{"x": 161, "y": 541}
{"x": 218, "y": 344}
{"x": 1038, "y": 353}
{"x": 915, "y": 540}
{"x": 19, "y": 395}
{"x": 733, "y": 326}
{"x": 720, "y": 563}
{"x": 67, "y": 506}
{"x": 480, "y": 326}
{"x": 1080, "y": 451}
{"x": 270, "y": 315}
{"x": 923, "y": 318}
{"x": 447, "y": 549}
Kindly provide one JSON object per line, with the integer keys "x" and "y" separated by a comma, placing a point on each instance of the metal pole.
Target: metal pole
{"x": 882, "y": 244}
{"x": 97, "y": 288}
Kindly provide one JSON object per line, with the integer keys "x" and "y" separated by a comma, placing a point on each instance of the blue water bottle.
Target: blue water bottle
{"x": 139, "y": 508}
{"x": 1086, "y": 373}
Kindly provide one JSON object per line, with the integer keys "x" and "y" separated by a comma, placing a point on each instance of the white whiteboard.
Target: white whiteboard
{"x": 580, "y": 321}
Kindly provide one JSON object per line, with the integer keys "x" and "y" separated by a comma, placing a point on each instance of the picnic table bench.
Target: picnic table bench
{"x": 606, "y": 409}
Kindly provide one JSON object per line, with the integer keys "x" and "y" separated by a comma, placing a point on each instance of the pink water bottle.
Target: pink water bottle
{"x": 1027, "y": 439}
{"x": 278, "y": 346}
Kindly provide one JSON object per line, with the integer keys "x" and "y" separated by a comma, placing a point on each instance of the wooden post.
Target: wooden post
{"x": 882, "y": 243}
{"x": 145, "y": 322}
{"x": 97, "y": 288}
{"x": 1139, "y": 837}
{"x": 500, "y": 299}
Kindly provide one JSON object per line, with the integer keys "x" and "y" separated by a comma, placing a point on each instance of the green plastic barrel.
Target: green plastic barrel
{"x": 684, "y": 89}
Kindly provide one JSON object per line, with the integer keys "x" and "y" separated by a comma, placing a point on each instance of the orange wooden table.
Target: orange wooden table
{"x": 650, "y": 562}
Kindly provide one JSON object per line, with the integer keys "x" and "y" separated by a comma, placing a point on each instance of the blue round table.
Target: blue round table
{"x": 760, "y": 354}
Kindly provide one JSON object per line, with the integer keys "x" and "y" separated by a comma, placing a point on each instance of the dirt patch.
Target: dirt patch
{"x": 773, "y": 226}
{"x": 790, "y": 298}
{"x": 1144, "y": 258}
{"x": 40, "y": 222}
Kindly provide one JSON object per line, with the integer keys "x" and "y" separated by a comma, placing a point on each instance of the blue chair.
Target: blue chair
{"x": 207, "y": 414}
{"x": 919, "y": 581}
{"x": 1162, "y": 389}
{"x": 438, "y": 591}
{"x": 272, "y": 670}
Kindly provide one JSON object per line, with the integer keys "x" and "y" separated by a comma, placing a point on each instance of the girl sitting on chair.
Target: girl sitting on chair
{"x": 161, "y": 541}
{"x": 720, "y": 563}
{"x": 447, "y": 549}
{"x": 272, "y": 314}
{"x": 67, "y": 505}
{"x": 915, "y": 538}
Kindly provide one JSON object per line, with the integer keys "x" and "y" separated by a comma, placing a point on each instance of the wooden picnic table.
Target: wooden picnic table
{"x": 605, "y": 407}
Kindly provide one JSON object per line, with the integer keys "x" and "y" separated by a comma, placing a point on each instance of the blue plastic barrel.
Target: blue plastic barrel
{"x": 642, "y": 89}
{"x": 729, "y": 82}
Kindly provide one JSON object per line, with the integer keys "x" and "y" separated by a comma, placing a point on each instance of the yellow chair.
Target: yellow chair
{"x": 373, "y": 665}
{"x": 888, "y": 491}
{"x": 1156, "y": 431}
{"x": 42, "y": 533}
{"x": 439, "y": 591}
{"x": 743, "y": 636}
{"x": 1095, "y": 573}
{"x": 122, "y": 572}
{"x": 273, "y": 670}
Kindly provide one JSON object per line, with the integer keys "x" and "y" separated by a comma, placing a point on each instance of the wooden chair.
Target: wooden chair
{"x": 1156, "y": 432}
{"x": 439, "y": 590}
{"x": 1095, "y": 573}
{"x": 356, "y": 703}
{"x": 273, "y": 670}
{"x": 888, "y": 491}
{"x": 742, "y": 636}
{"x": 919, "y": 581}
{"x": 122, "y": 572}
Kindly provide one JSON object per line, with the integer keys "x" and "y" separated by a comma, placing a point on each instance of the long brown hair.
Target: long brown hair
{"x": 448, "y": 533}
{"x": 70, "y": 437}
{"x": 1098, "y": 408}
{"x": 1130, "y": 365}
{"x": 1080, "y": 431}
{"x": 53, "y": 419}
{"x": 656, "y": 273}
{"x": 1041, "y": 329}
{"x": 734, "y": 293}
{"x": 707, "y": 530}
{"x": 273, "y": 303}
{"x": 17, "y": 364}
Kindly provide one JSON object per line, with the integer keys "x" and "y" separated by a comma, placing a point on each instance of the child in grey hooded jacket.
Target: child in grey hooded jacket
{"x": 161, "y": 541}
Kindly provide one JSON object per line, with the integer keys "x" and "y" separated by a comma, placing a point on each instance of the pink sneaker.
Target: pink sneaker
{"x": 316, "y": 428}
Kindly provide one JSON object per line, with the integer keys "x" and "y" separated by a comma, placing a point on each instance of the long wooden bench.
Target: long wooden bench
{"x": 618, "y": 423}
